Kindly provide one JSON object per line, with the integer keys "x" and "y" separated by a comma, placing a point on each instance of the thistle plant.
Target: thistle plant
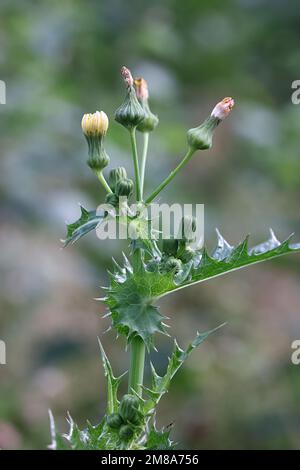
{"x": 153, "y": 269}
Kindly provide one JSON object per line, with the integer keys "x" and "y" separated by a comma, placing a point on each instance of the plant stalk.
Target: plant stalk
{"x": 136, "y": 164}
{"x": 144, "y": 158}
{"x": 136, "y": 372}
{"x": 173, "y": 173}
{"x": 103, "y": 181}
{"x": 137, "y": 360}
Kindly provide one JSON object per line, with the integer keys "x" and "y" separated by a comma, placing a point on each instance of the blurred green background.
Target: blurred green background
{"x": 62, "y": 59}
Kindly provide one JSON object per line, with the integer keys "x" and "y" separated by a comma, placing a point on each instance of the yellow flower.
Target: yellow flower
{"x": 95, "y": 125}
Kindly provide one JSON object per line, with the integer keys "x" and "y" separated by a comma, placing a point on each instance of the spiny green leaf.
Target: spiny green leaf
{"x": 159, "y": 440}
{"x": 112, "y": 383}
{"x": 129, "y": 299}
{"x": 96, "y": 437}
{"x": 230, "y": 259}
{"x": 58, "y": 442}
{"x": 77, "y": 439}
{"x": 88, "y": 221}
{"x": 132, "y": 293}
{"x": 226, "y": 258}
{"x": 140, "y": 229}
{"x": 160, "y": 385}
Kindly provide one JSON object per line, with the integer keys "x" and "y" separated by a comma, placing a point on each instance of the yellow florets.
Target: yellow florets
{"x": 95, "y": 124}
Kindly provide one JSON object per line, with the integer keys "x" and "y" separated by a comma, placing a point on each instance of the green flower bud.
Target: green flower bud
{"x": 172, "y": 265}
{"x": 124, "y": 187}
{"x": 150, "y": 121}
{"x": 187, "y": 228}
{"x": 98, "y": 159}
{"x": 170, "y": 246}
{"x": 112, "y": 199}
{"x": 152, "y": 266}
{"x": 114, "y": 421}
{"x": 187, "y": 254}
{"x": 130, "y": 113}
{"x": 126, "y": 433}
{"x": 137, "y": 419}
{"x": 200, "y": 138}
{"x": 94, "y": 127}
{"x": 116, "y": 175}
{"x": 129, "y": 407}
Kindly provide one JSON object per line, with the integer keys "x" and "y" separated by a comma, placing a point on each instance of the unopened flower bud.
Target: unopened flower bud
{"x": 223, "y": 108}
{"x": 172, "y": 265}
{"x": 130, "y": 113}
{"x": 126, "y": 433}
{"x": 114, "y": 421}
{"x": 200, "y": 138}
{"x": 94, "y": 127}
{"x": 129, "y": 406}
{"x": 116, "y": 175}
{"x": 170, "y": 246}
{"x": 124, "y": 187}
{"x": 112, "y": 199}
{"x": 187, "y": 228}
{"x": 150, "y": 121}
{"x": 141, "y": 88}
{"x": 153, "y": 265}
{"x": 187, "y": 254}
{"x": 137, "y": 418}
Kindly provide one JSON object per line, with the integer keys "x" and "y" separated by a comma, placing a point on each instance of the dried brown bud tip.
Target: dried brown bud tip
{"x": 127, "y": 77}
{"x": 223, "y": 108}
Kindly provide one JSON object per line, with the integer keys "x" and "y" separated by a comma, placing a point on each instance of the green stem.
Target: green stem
{"x": 137, "y": 360}
{"x": 136, "y": 372}
{"x": 173, "y": 173}
{"x": 144, "y": 158}
{"x": 136, "y": 164}
{"x": 103, "y": 181}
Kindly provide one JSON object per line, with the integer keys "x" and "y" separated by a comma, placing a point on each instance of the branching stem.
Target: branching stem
{"x": 144, "y": 159}
{"x": 135, "y": 163}
{"x": 173, "y": 173}
{"x": 103, "y": 181}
